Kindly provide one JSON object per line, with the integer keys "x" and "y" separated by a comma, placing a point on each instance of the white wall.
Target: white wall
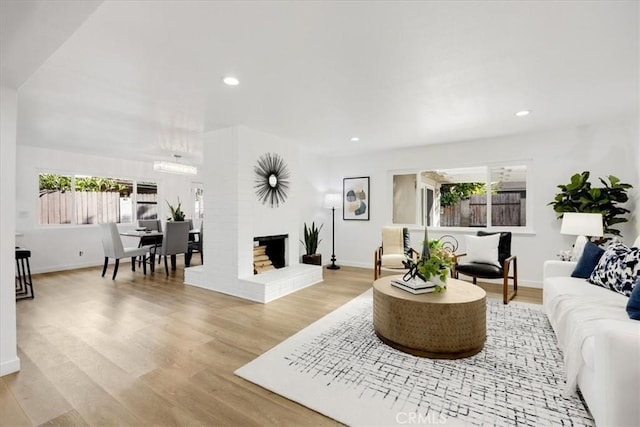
{"x": 56, "y": 248}
{"x": 233, "y": 214}
{"x": 255, "y": 218}
{"x": 604, "y": 149}
{"x": 9, "y": 361}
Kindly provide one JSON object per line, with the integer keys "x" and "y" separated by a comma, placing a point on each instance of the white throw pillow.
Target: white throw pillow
{"x": 483, "y": 249}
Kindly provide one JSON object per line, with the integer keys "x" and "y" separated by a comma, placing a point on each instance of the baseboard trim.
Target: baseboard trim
{"x": 10, "y": 366}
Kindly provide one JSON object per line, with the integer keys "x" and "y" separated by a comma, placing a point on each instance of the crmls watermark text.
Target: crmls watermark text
{"x": 412, "y": 418}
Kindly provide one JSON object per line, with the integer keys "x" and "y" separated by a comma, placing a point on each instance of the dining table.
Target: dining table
{"x": 155, "y": 237}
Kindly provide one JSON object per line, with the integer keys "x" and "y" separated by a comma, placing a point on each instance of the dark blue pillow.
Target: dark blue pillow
{"x": 633, "y": 306}
{"x": 588, "y": 261}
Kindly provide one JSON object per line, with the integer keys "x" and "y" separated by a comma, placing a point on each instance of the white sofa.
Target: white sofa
{"x": 600, "y": 343}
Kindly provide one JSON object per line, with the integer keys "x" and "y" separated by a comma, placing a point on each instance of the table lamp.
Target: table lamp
{"x": 581, "y": 225}
{"x": 333, "y": 201}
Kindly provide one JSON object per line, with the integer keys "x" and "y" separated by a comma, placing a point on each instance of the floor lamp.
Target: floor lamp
{"x": 332, "y": 201}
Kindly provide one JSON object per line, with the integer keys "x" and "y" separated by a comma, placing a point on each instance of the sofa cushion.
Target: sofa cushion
{"x": 588, "y": 352}
{"x": 485, "y": 271}
{"x": 633, "y": 305}
{"x": 618, "y": 269}
{"x": 588, "y": 260}
{"x": 393, "y": 261}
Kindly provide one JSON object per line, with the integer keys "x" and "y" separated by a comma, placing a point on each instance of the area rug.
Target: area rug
{"x": 338, "y": 366}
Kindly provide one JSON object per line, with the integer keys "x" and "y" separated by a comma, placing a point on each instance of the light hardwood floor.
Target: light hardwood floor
{"x": 152, "y": 351}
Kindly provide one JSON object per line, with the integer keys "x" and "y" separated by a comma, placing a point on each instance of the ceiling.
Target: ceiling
{"x": 142, "y": 79}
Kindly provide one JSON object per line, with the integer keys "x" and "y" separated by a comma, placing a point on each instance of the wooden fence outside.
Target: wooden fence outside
{"x": 507, "y": 209}
{"x": 90, "y": 207}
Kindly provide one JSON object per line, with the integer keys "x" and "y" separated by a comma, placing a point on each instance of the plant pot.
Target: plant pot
{"x": 315, "y": 259}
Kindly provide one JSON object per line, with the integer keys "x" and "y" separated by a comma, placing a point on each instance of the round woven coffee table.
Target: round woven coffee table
{"x": 447, "y": 325}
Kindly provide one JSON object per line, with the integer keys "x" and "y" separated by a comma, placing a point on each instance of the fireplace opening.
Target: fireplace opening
{"x": 269, "y": 252}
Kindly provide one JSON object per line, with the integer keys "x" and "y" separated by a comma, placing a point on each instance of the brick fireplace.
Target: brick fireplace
{"x": 234, "y": 216}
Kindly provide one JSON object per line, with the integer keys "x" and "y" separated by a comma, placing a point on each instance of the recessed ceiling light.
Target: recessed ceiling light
{"x": 523, "y": 113}
{"x": 355, "y": 139}
{"x": 231, "y": 81}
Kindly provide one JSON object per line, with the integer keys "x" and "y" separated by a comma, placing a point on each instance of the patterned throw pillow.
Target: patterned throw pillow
{"x": 633, "y": 305}
{"x": 618, "y": 269}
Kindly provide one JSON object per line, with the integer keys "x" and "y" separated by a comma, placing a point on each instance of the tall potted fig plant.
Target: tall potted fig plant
{"x": 580, "y": 196}
{"x": 311, "y": 241}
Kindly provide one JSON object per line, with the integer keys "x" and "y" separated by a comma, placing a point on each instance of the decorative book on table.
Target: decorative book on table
{"x": 414, "y": 285}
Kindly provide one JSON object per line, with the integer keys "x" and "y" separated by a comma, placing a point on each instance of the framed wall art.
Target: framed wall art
{"x": 355, "y": 198}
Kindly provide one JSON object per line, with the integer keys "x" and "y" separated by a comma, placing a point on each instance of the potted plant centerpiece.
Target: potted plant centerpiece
{"x": 433, "y": 265}
{"x": 311, "y": 241}
{"x": 176, "y": 212}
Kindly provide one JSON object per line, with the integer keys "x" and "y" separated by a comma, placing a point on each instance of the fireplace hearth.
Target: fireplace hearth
{"x": 269, "y": 252}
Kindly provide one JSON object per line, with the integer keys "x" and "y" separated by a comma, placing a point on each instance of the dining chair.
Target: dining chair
{"x": 175, "y": 241}
{"x": 150, "y": 224}
{"x": 148, "y": 242}
{"x": 195, "y": 246}
{"x": 112, "y": 245}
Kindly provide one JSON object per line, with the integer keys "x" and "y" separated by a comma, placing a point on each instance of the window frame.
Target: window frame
{"x": 75, "y": 174}
{"x": 526, "y": 229}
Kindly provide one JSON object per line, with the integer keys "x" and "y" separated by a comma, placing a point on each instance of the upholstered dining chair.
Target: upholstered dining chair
{"x": 150, "y": 224}
{"x": 148, "y": 242}
{"x": 112, "y": 245}
{"x": 195, "y": 246}
{"x": 395, "y": 250}
{"x": 174, "y": 242}
{"x": 481, "y": 265}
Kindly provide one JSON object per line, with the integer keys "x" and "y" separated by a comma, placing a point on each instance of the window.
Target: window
{"x": 81, "y": 199}
{"x": 147, "y": 200}
{"x": 197, "y": 192}
{"x": 55, "y": 199}
{"x": 482, "y": 196}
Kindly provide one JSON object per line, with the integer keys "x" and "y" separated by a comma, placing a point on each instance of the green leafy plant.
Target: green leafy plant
{"x": 437, "y": 264}
{"x": 579, "y": 196}
{"x": 50, "y": 182}
{"x": 176, "y": 212}
{"x": 311, "y": 238}
{"x": 451, "y": 194}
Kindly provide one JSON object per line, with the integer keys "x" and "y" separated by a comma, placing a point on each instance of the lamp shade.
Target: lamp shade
{"x": 332, "y": 200}
{"x": 582, "y": 224}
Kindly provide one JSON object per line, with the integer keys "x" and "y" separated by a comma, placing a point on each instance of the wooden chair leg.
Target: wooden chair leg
{"x": 506, "y": 296}
{"x": 166, "y": 265}
{"x": 104, "y": 269}
{"x": 115, "y": 270}
{"x": 133, "y": 263}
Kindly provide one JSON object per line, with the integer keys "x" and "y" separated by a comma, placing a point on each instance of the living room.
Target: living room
{"x": 454, "y": 107}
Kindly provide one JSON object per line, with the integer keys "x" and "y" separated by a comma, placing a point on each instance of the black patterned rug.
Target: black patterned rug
{"x": 338, "y": 367}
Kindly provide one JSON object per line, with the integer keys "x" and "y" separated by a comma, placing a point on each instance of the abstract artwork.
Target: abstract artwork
{"x": 356, "y": 199}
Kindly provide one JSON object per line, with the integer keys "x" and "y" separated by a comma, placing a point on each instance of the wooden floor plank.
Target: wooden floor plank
{"x": 11, "y": 414}
{"x": 148, "y": 350}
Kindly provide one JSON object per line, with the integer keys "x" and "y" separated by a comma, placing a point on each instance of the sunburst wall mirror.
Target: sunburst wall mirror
{"x": 271, "y": 179}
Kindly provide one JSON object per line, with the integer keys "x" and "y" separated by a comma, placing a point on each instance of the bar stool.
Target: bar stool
{"x": 24, "y": 285}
